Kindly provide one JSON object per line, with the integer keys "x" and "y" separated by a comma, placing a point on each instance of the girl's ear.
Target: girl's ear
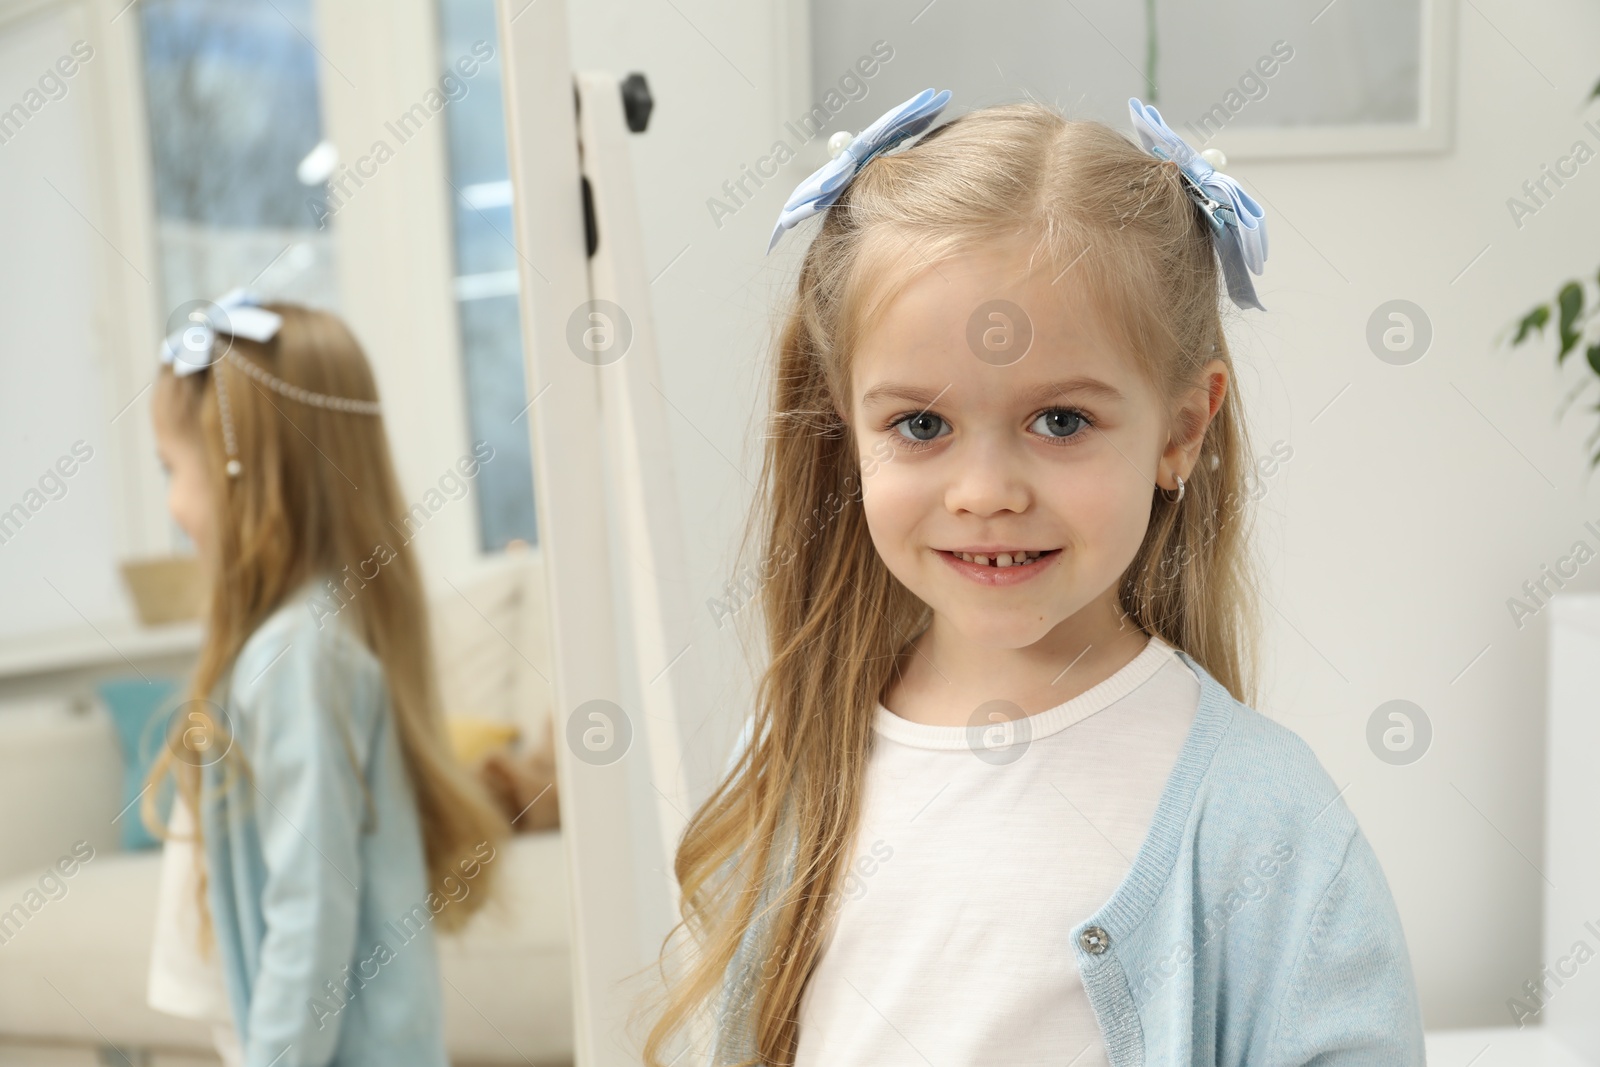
{"x": 1192, "y": 416}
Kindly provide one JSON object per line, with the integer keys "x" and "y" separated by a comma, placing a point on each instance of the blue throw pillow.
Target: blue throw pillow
{"x": 140, "y": 709}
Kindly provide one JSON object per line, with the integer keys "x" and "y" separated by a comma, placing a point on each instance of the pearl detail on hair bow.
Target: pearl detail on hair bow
{"x": 1238, "y": 225}
{"x": 849, "y": 155}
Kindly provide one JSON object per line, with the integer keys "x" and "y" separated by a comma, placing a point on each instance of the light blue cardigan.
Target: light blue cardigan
{"x": 318, "y": 898}
{"x": 1254, "y": 926}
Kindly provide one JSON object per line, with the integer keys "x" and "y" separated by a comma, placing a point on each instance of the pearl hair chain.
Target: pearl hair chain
{"x": 304, "y": 396}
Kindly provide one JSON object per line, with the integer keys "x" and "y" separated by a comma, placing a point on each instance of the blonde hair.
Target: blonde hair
{"x": 835, "y": 618}
{"x": 317, "y": 492}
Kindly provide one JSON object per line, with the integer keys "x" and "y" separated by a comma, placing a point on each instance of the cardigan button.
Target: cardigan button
{"x": 1094, "y": 939}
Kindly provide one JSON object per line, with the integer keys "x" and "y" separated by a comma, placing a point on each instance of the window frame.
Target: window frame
{"x": 396, "y": 281}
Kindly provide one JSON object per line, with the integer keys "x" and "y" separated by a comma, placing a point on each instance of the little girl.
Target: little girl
{"x": 333, "y": 829}
{"x": 1002, "y": 799}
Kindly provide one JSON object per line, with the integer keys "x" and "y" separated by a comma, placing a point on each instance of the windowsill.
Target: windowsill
{"x": 109, "y": 643}
{"x": 105, "y": 643}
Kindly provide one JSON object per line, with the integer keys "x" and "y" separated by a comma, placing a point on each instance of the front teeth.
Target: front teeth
{"x": 1002, "y": 560}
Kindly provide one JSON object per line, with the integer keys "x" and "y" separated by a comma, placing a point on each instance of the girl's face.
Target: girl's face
{"x": 966, "y": 448}
{"x": 188, "y": 490}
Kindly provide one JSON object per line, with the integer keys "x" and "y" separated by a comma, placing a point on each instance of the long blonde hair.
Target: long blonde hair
{"x": 317, "y": 492}
{"x": 835, "y": 619}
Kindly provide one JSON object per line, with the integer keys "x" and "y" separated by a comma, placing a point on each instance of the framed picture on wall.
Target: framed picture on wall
{"x": 1254, "y": 78}
{"x": 1330, "y": 78}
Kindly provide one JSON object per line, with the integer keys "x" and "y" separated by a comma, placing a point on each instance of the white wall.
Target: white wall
{"x": 55, "y": 553}
{"x": 1418, "y": 500}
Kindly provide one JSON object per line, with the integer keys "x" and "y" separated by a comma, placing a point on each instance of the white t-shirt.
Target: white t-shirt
{"x": 950, "y": 941}
{"x": 184, "y": 982}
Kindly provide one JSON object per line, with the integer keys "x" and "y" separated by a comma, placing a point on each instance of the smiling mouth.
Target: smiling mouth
{"x": 1017, "y": 558}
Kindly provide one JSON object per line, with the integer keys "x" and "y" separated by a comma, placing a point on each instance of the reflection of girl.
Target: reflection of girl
{"x": 1095, "y": 852}
{"x": 334, "y": 830}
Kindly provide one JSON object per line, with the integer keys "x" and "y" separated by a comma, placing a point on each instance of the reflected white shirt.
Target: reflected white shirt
{"x": 183, "y": 981}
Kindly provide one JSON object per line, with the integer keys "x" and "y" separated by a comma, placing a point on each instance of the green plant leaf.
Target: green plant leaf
{"x": 1571, "y": 300}
{"x": 1594, "y": 357}
{"x": 1595, "y": 91}
{"x": 1533, "y": 319}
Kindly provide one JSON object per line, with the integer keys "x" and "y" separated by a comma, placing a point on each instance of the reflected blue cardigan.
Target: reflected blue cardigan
{"x": 317, "y": 879}
{"x": 1254, "y": 927}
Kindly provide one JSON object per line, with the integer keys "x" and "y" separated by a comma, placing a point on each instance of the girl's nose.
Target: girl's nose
{"x": 987, "y": 476}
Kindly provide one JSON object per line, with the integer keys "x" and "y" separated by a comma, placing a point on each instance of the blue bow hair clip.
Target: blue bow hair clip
{"x": 828, "y": 182}
{"x": 238, "y": 313}
{"x": 190, "y": 348}
{"x": 1238, "y": 225}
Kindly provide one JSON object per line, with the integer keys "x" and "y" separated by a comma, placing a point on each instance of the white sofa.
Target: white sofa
{"x": 73, "y": 973}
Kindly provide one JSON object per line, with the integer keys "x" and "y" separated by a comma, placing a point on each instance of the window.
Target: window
{"x": 486, "y": 277}
{"x": 231, "y": 93}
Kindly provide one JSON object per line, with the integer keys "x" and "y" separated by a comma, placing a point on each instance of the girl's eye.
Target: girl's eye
{"x": 1062, "y": 426}
{"x": 1063, "y": 423}
{"x": 924, "y": 428}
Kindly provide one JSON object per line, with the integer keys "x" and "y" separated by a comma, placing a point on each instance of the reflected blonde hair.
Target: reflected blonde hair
{"x": 835, "y": 620}
{"x": 317, "y": 492}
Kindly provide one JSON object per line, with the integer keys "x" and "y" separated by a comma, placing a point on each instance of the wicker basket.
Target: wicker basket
{"x": 166, "y": 588}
